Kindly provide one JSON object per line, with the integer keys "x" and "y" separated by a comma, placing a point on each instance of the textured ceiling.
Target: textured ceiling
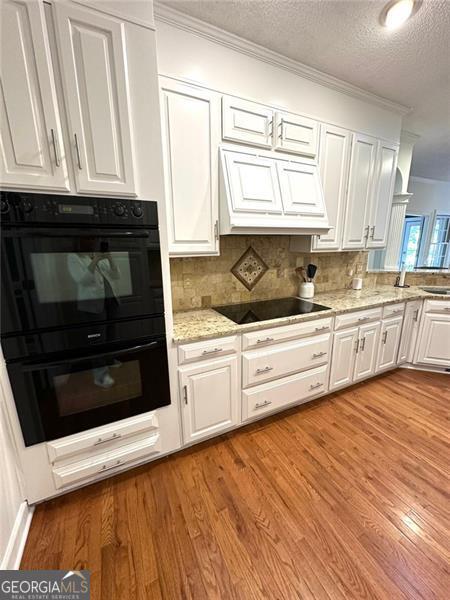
{"x": 344, "y": 38}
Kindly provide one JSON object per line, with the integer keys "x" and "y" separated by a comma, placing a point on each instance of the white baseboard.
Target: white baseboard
{"x": 17, "y": 539}
{"x": 424, "y": 368}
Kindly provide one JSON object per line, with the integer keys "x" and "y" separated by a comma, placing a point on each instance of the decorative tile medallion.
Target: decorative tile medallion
{"x": 249, "y": 268}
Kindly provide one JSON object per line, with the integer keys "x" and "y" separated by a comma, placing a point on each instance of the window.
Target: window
{"x": 438, "y": 251}
{"x": 412, "y": 237}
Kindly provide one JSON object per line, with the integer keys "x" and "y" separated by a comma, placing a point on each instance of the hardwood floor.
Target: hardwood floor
{"x": 347, "y": 497}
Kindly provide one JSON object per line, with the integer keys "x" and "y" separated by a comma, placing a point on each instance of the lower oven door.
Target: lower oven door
{"x": 60, "y": 397}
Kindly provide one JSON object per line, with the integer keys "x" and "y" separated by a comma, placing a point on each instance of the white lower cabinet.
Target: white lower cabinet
{"x": 209, "y": 394}
{"x": 409, "y": 332}
{"x": 390, "y": 339}
{"x": 274, "y": 395}
{"x": 367, "y": 349}
{"x": 433, "y": 345}
{"x": 343, "y": 357}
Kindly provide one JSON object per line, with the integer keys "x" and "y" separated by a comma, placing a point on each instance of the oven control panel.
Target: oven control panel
{"x": 24, "y": 208}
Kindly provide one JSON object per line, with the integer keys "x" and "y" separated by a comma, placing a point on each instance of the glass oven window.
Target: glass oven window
{"x": 97, "y": 387}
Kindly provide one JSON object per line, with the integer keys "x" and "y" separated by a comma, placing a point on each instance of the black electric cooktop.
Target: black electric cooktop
{"x": 264, "y": 310}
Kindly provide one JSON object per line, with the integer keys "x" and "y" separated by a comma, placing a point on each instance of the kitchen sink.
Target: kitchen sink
{"x": 445, "y": 291}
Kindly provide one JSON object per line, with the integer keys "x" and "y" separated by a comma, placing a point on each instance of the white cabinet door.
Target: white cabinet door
{"x": 389, "y": 343}
{"x": 343, "y": 358}
{"x": 362, "y": 163}
{"x": 191, "y": 130}
{"x": 209, "y": 394}
{"x": 253, "y": 183}
{"x": 301, "y": 191}
{"x": 249, "y": 122}
{"x": 366, "y": 357}
{"x": 31, "y": 147}
{"x": 433, "y": 346}
{"x": 409, "y": 332}
{"x": 383, "y": 190}
{"x": 296, "y": 134}
{"x": 334, "y": 158}
{"x": 93, "y": 55}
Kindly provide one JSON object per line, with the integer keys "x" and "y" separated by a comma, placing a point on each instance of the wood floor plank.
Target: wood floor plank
{"x": 346, "y": 497}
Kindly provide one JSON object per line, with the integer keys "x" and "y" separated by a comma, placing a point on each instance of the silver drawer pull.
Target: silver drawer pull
{"x": 115, "y": 436}
{"x": 55, "y": 148}
{"x": 105, "y": 468}
{"x": 447, "y": 308}
{"x": 314, "y": 386}
{"x": 416, "y": 314}
{"x": 214, "y": 351}
{"x": 384, "y": 339}
{"x": 363, "y": 318}
{"x": 322, "y": 328}
{"x": 77, "y": 149}
{"x": 262, "y": 404}
{"x": 318, "y": 354}
{"x": 397, "y": 312}
{"x": 267, "y": 339}
{"x": 265, "y": 370}
{"x": 363, "y": 344}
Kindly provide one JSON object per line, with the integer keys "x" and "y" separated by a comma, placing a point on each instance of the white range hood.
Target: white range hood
{"x": 265, "y": 193}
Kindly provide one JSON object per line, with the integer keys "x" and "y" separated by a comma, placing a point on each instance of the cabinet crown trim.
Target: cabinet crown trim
{"x": 177, "y": 19}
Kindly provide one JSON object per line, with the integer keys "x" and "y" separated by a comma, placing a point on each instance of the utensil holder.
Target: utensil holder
{"x": 306, "y": 289}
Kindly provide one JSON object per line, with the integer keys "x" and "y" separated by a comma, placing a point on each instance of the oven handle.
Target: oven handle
{"x": 57, "y": 363}
{"x": 83, "y": 233}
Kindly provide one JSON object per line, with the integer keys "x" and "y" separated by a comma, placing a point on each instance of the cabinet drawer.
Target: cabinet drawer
{"x": 357, "y": 318}
{"x": 106, "y": 462}
{"x": 437, "y": 306}
{"x": 276, "y": 394}
{"x": 393, "y": 310}
{"x": 208, "y": 349}
{"x": 257, "y": 339}
{"x": 100, "y": 439}
{"x": 284, "y": 359}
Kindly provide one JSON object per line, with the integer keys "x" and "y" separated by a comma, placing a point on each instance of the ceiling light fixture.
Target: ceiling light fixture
{"x": 396, "y": 12}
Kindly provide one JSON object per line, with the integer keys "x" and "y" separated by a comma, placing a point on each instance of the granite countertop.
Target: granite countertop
{"x": 202, "y": 324}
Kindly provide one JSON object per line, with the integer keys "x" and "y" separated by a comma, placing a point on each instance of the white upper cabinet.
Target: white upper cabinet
{"x": 93, "y": 56}
{"x": 253, "y": 183}
{"x": 383, "y": 190}
{"x": 247, "y": 122}
{"x": 191, "y": 134}
{"x": 334, "y": 159}
{"x": 301, "y": 190}
{"x": 362, "y": 165}
{"x": 32, "y": 152}
{"x": 367, "y": 349}
{"x": 296, "y": 134}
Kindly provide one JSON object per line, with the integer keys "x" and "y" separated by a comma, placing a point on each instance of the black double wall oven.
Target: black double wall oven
{"x": 82, "y": 311}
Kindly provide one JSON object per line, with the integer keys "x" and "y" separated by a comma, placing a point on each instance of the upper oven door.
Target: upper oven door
{"x": 61, "y": 277}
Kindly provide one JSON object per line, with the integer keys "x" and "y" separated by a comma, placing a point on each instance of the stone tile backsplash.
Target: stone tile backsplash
{"x": 208, "y": 281}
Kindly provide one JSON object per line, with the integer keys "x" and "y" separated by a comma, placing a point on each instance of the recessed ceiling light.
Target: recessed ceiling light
{"x": 396, "y": 12}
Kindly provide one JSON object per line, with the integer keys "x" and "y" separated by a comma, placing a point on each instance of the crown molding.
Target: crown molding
{"x": 409, "y": 137}
{"x": 200, "y": 28}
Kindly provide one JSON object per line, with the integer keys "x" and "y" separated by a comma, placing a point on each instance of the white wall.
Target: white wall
{"x": 429, "y": 195}
{"x": 15, "y": 516}
{"x": 187, "y": 55}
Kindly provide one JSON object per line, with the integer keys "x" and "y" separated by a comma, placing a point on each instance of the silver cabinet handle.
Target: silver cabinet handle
{"x": 270, "y": 128}
{"x": 216, "y": 230}
{"x": 214, "y": 351}
{"x": 262, "y": 404}
{"x": 314, "y": 386}
{"x": 447, "y": 308}
{"x": 105, "y": 468}
{"x": 55, "y": 148}
{"x": 265, "y": 370}
{"x": 318, "y": 354}
{"x": 372, "y": 235}
{"x": 357, "y": 346}
{"x": 385, "y": 334}
{"x": 281, "y": 129}
{"x": 363, "y": 344}
{"x": 366, "y": 232}
{"x": 115, "y": 436}
{"x": 398, "y": 311}
{"x": 185, "y": 396}
{"x": 322, "y": 328}
{"x": 267, "y": 339}
{"x": 77, "y": 151}
{"x": 416, "y": 314}
{"x": 363, "y": 318}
